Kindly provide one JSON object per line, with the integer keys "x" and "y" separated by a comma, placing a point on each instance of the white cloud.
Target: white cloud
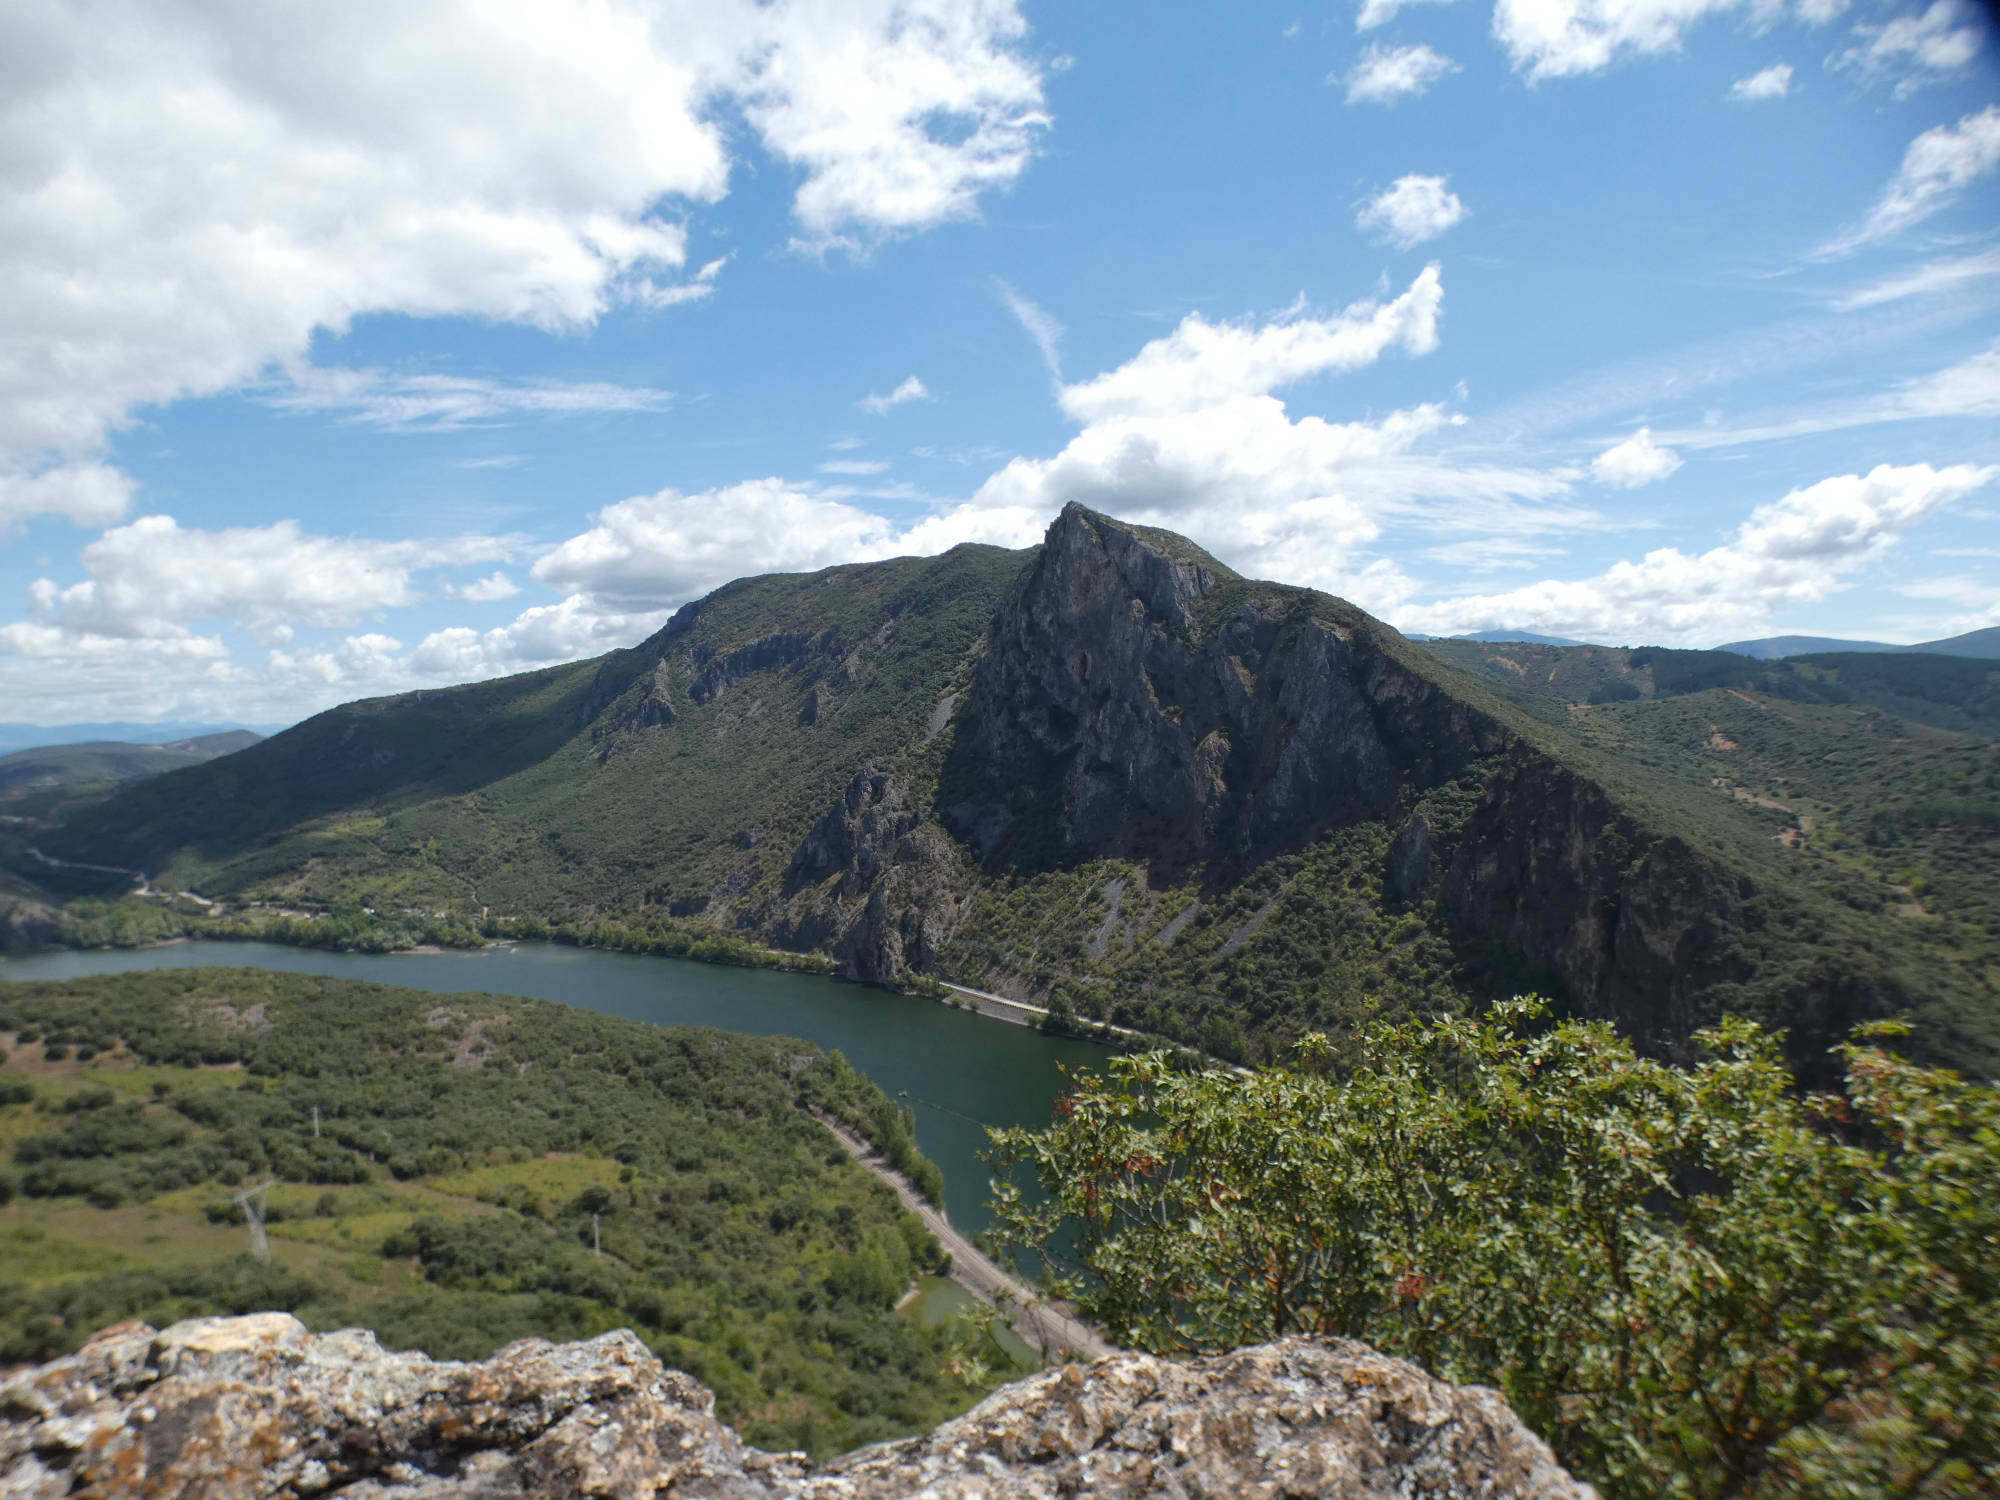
{"x": 655, "y": 551}
{"x": 1925, "y": 281}
{"x": 1485, "y": 554}
{"x": 1774, "y": 82}
{"x": 649, "y": 293}
{"x": 902, "y": 112}
{"x": 1385, "y": 74}
{"x": 487, "y": 590}
{"x": 31, "y": 638}
{"x": 1636, "y": 461}
{"x": 1938, "y": 166}
{"x": 190, "y": 192}
{"x": 1414, "y": 209}
{"x": 1794, "y": 551}
{"x": 1375, "y": 13}
{"x": 1040, "y": 326}
{"x": 912, "y": 389}
{"x": 154, "y": 580}
{"x": 1569, "y": 38}
{"x": 1187, "y": 435}
{"x": 1917, "y": 49}
{"x": 857, "y": 466}
{"x": 1202, "y": 363}
{"x": 444, "y": 403}
{"x": 88, "y": 493}
{"x": 1970, "y": 388}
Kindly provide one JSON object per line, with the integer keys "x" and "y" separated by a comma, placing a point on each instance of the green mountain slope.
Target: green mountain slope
{"x": 1108, "y": 773}
{"x": 68, "y": 768}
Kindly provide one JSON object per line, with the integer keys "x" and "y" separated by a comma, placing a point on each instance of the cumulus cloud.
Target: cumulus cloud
{"x": 1794, "y": 551}
{"x": 901, "y": 112}
{"x": 1568, "y": 38}
{"x": 1385, "y": 74}
{"x": 1375, "y": 13}
{"x": 1187, "y": 434}
{"x": 1410, "y": 211}
{"x": 654, "y": 551}
{"x": 1773, "y": 82}
{"x": 1635, "y": 462}
{"x": 88, "y": 493}
{"x": 1201, "y": 363}
{"x": 912, "y": 389}
{"x": 190, "y": 192}
{"x": 487, "y": 590}
{"x": 1916, "y": 49}
{"x": 153, "y": 580}
{"x": 1938, "y": 166}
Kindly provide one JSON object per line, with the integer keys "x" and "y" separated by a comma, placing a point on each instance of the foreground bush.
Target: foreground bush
{"x": 1692, "y": 1282}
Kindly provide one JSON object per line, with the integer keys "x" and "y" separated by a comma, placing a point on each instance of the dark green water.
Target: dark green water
{"x": 962, "y": 1072}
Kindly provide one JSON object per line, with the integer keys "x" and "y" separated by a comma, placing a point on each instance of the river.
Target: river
{"x": 960, "y": 1071}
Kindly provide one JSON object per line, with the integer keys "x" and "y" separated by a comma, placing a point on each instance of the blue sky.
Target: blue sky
{"x": 362, "y": 348}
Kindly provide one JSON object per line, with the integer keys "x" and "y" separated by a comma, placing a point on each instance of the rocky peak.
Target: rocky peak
{"x": 1128, "y": 709}
{"x": 1090, "y": 556}
{"x": 257, "y": 1406}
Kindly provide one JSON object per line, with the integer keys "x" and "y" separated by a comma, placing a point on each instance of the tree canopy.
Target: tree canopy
{"x": 1692, "y": 1281}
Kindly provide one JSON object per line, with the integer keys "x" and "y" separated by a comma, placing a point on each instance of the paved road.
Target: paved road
{"x": 1021, "y": 1013}
{"x": 1051, "y": 1327}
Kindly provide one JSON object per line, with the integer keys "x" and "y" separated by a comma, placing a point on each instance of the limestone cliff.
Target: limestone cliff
{"x": 1139, "y": 698}
{"x": 218, "y": 1408}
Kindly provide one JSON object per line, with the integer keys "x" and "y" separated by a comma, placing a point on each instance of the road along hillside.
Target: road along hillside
{"x": 1051, "y": 1327}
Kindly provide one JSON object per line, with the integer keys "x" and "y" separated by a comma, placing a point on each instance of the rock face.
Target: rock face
{"x": 874, "y": 882}
{"x": 1131, "y": 706}
{"x": 28, "y": 924}
{"x": 257, "y": 1406}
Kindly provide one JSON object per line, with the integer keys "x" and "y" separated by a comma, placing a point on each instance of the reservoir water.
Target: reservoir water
{"x": 961, "y": 1072}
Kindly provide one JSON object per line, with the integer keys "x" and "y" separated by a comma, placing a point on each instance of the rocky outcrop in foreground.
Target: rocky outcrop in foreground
{"x": 218, "y": 1407}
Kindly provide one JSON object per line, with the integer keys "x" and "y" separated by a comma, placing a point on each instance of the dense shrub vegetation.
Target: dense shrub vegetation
{"x": 445, "y": 1171}
{"x": 1693, "y": 1282}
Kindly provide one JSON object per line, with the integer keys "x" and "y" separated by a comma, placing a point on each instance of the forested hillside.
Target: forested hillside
{"x": 457, "y": 1172}
{"x": 1113, "y": 775}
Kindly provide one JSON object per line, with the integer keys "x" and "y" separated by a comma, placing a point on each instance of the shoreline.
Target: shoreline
{"x": 1051, "y": 1327}
{"x": 985, "y": 1002}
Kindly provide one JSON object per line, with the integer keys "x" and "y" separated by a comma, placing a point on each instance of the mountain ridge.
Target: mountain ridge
{"x": 1108, "y": 772}
{"x": 1974, "y": 643}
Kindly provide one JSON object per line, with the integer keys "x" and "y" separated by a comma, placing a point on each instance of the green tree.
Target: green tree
{"x": 1693, "y": 1281}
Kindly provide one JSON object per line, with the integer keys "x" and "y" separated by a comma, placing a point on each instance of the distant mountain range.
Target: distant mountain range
{"x": 107, "y": 762}
{"x": 33, "y": 736}
{"x": 1500, "y": 637}
{"x": 1978, "y": 643}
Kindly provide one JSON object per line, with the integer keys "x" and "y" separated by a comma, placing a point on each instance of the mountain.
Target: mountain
{"x": 99, "y": 762}
{"x": 1108, "y": 773}
{"x": 1980, "y": 643}
{"x": 1775, "y": 647}
{"x": 1517, "y": 635}
{"x": 36, "y": 736}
